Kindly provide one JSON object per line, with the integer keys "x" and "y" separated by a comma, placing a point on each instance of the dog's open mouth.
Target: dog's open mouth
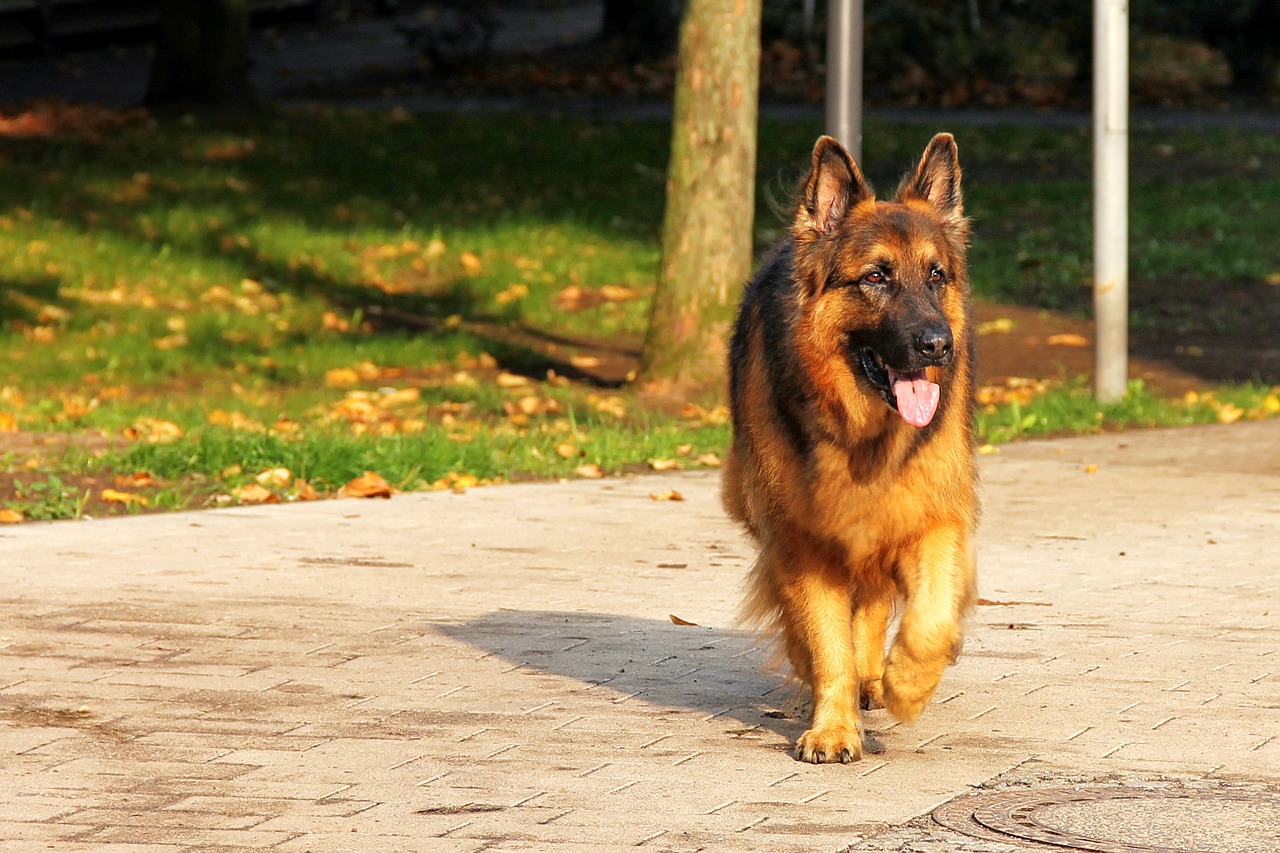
{"x": 909, "y": 393}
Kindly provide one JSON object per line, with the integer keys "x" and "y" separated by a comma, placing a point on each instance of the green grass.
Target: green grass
{"x": 183, "y": 268}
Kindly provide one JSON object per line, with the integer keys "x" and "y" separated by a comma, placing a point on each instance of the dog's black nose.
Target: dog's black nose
{"x": 934, "y": 343}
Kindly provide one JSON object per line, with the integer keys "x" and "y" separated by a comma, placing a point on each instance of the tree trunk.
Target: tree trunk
{"x": 202, "y": 55}
{"x": 708, "y": 228}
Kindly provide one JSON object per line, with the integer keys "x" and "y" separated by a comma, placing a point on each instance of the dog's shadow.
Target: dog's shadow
{"x": 714, "y": 671}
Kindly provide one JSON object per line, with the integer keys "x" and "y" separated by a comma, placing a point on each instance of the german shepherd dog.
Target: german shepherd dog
{"x": 852, "y": 462}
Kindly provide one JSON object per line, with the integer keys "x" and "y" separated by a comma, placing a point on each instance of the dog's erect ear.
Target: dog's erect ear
{"x": 936, "y": 178}
{"x": 833, "y": 187}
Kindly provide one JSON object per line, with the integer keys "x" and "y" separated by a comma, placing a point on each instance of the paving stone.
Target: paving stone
{"x": 498, "y": 670}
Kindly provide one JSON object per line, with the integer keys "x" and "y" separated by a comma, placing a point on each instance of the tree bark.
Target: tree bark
{"x": 202, "y": 55}
{"x": 708, "y": 227}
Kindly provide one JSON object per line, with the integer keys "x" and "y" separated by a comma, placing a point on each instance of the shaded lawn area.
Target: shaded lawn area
{"x": 449, "y": 300}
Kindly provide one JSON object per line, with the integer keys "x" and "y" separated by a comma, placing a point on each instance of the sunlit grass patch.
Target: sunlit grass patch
{"x": 329, "y": 292}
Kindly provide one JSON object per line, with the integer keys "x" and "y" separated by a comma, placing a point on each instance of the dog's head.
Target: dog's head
{"x": 883, "y": 283}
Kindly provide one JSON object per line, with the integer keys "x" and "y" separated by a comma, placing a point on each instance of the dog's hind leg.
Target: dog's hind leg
{"x": 818, "y": 632}
{"x": 938, "y": 580}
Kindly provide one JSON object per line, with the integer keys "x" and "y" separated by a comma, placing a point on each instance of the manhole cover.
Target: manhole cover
{"x": 1121, "y": 820}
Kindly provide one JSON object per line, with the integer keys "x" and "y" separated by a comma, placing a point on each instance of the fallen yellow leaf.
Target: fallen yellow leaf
{"x": 341, "y": 377}
{"x": 153, "y": 431}
{"x": 999, "y": 326}
{"x": 464, "y": 482}
{"x": 511, "y": 294}
{"x": 253, "y": 493}
{"x": 617, "y": 293}
{"x": 669, "y": 495}
{"x": 168, "y": 342}
{"x": 470, "y": 263}
{"x": 138, "y": 479}
{"x": 708, "y": 460}
{"x": 1229, "y": 413}
{"x": 10, "y": 516}
{"x": 511, "y": 380}
{"x": 304, "y": 491}
{"x": 583, "y": 362}
{"x": 333, "y": 322}
{"x": 1273, "y": 278}
{"x": 112, "y": 496}
{"x": 590, "y": 471}
{"x": 367, "y": 485}
{"x": 570, "y": 298}
{"x": 565, "y": 450}
{"x": 435, "y": 249}
{"x": 676, "y": 620}
{"x": 8, "y": 423}
{"x": 663, "y": 464}
{"x": 1067, "y": 339}
{"x": 611, "y": 405}
{"x": 277, "y": 477}
{"x": 1091, "y": 469}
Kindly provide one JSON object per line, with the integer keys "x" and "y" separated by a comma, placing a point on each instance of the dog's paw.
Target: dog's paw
{"x": 831, "y": 744}
{"x": 908, "y": 688}
{"x": 871, "y": 695}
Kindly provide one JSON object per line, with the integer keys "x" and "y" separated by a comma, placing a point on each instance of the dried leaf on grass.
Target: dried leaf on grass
{"x": 590, "y": 471}
{"x": 511, "y": 294}
{"x": 11, "y": 516}
{"x": 253, "y": 493}
{"x": 8, "y": 423}
{"x": 113, "y": 496}
{"x": 663, "y": 464}
{"x": 617, "y": 293}
{"x": 153, "y": 431}
{"x": 274, "y": 478}
{"x": 676, "y": 620}
{"x": 511, "y": 380}
{"x": 367, "y": 485}
{"x": 304, "y": 491}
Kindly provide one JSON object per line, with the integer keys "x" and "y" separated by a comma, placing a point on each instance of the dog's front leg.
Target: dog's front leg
{"x": 938, "y": 579}
{"x": 870, "y": 621}
{"x": 818, "y": 630}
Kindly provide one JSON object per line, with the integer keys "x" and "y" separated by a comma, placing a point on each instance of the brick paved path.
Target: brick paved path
{"x": 498, "y": 670}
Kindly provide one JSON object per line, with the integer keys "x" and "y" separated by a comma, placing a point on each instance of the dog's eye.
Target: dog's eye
{"x": 874, "y": 277}
{"x": 937, "y": 277}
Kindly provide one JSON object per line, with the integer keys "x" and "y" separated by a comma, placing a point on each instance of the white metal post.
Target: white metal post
{"x": 844, "y": 74}
{"x": 1111, "y": 197}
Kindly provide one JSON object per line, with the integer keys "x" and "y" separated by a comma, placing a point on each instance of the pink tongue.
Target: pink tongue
{"x": 917, "y": 399}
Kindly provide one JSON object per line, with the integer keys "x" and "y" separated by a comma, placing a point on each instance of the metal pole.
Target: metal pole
{"x": 1111, "y": 197}
{"x": 844, "y": 74}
